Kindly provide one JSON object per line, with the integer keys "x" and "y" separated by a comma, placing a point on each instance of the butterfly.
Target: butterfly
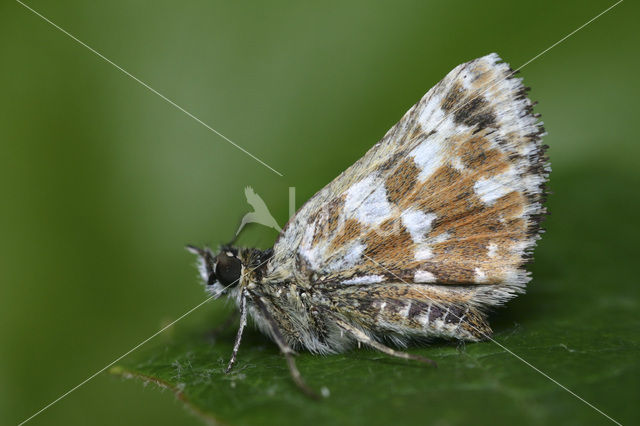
{"x": 418, "y": 239}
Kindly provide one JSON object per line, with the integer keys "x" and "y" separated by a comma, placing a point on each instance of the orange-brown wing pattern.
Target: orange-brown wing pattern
{"x": 452, "y": 195}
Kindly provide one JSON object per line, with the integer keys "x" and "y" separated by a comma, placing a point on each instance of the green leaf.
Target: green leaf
{"x": 576, "y": 324}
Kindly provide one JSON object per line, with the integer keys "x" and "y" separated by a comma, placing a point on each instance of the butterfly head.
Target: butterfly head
{"x": 219, "y": 272}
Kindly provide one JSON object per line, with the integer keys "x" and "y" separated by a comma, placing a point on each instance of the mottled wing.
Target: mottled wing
{"x": 452, "y": 194}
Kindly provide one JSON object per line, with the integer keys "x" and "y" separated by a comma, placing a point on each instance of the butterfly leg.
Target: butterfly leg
{"x": 361, "y": 337}
{"x": 286, "y": 350}
{"x": 243, "y": 323}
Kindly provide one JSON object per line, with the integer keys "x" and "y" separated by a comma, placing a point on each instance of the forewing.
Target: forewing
{"x": 452, "y": 194}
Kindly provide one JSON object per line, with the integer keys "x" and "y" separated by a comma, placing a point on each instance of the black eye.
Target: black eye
{"x": 228, "y": 269}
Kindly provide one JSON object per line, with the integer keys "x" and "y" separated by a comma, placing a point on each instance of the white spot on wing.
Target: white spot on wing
{"x": 380, "y": 312}
{"x": 351, "y": 258}
{"x": 423, "y": 253}
{"x": 492, "y": 250}
{"x": 480, "y": 276}
{"x": 423, "y": 319}
{"x": 465, "y": 79}
{"x": 404, "y": 312}
{"x": 431, "y": 114}
{"x": 313, "y": 255}
{"x": 456, "y": 162}
{"x": 490, "y": 189}
{"x": 424, "y": 277}
{"x": 366, "y": 279}
{"x": 428, "y": 156}
{"x": 307, "y": 238}
{"x": 367, "y": 202}
{"x": 417, "y": 223}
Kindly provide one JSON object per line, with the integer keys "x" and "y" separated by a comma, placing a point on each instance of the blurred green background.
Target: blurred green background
{"x": 102, "y": 182}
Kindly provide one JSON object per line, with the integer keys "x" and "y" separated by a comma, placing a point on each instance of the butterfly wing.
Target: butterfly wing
{"x": 452, "y": 195}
